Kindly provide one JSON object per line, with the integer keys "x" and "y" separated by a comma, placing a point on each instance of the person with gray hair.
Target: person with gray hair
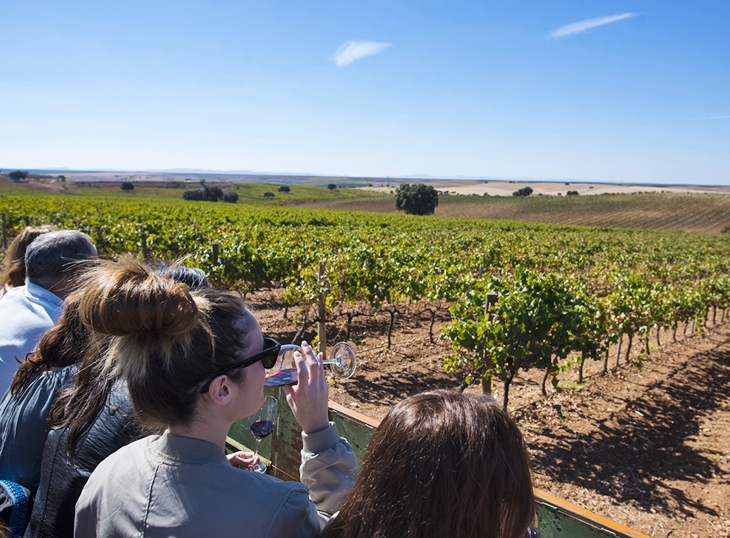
{"x": 27, "y": 312}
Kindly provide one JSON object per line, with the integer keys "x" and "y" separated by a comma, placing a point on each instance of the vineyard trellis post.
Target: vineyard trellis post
{"x": 144, "y": 245}
{"x": 5, "y": 233}
{"x": 27, "y": 220}
{"x": 322, "y": 324}
{"x": 214, "y": 255}
{"x": 487, "y": 379}
{"x": 618, "y": 351}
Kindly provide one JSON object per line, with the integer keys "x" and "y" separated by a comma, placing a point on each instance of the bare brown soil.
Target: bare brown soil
{"x": 649, "y": 447}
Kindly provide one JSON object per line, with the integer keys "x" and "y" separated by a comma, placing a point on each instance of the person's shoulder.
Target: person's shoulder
{"x": 38, "y": 294}
{"x": 283, "y": 505}
{"x": 12, "y": 296}
{"x": 41, "y": 388}
{"x": 127, "y": 456}
{"x": 52, "y": 379}
{"x": 31, "y": 304}
{"x": 263, "y": 486}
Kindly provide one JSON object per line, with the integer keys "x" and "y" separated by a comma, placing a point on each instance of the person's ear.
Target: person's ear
{"x": 219, "y": 391}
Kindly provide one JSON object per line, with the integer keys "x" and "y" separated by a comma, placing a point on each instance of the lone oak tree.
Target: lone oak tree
{"x": 416, "y": 199}
{"x": 18, "y": 175}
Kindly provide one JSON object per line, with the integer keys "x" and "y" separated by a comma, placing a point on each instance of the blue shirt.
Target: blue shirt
{"x": 26, "y": 313}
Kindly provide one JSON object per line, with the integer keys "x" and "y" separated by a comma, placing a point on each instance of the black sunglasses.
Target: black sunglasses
{"x": 267, "y": 357}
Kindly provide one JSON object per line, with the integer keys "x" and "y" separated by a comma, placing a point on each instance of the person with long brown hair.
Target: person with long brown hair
{"x": 194, "y": 362}
{"x": 25, "y": 406}
{"x": 14, "y": 262}
{"x": 441, "y": 464}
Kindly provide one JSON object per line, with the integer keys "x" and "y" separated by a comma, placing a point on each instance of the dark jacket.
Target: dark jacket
{"x": 24, "y": 426}
{"x": 62, "y": 480}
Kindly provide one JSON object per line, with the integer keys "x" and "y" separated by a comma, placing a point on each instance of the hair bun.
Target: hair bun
{"x": 126, "y": 298}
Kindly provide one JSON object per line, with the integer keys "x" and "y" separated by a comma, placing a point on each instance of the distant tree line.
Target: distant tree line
{"x": 210, "y": 194}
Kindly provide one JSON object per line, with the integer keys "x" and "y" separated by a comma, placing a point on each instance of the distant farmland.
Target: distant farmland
{"x": 658, "y": 211}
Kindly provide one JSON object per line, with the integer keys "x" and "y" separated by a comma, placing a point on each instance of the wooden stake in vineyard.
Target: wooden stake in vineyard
{"x": 144, "y": 245}
{"x": 214, "y": 255}
{"x": 487, "y": 379}
{"x": 322, "y": 324}
{"x": 5, "y": 233}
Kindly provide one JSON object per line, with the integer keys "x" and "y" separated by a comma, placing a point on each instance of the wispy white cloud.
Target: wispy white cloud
{"x": 354, "y": 50}
{"x": 719, "y": 118}
{"x": 582, "y": 26}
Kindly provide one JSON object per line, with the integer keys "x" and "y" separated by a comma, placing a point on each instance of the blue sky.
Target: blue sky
{"x": 624, "y": 91}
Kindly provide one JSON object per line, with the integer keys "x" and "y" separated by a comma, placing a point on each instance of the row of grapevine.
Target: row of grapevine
{"x": 537, "y": 320}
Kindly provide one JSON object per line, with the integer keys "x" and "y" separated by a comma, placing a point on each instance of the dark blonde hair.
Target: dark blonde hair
{"x": 14, "y": 262}
{"x": 80, "y": 404}
{"x": 441, "y": 464}
{"x": 166, "y": 341}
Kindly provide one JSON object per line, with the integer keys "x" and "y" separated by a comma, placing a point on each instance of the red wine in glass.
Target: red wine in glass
{"x": 287, "y": 376}
{"x": 261, "y": 428}
{"x": 261, "y": 424}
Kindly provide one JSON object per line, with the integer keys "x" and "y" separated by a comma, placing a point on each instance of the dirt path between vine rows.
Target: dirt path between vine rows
{"x": 649, "y": 447}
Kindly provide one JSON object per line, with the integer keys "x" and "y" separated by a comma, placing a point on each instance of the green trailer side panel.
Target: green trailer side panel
{"x": 553, "y": 523}
{"x": 353, "y": 427}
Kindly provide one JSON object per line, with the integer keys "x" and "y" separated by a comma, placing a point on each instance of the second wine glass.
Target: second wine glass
{"x": 261, "y": 424}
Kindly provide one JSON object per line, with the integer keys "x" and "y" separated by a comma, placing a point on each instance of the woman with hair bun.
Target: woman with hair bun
{"x": 192, "y": 361}
{"x": 441, "y": 464}
{"x": 92, "y": 418}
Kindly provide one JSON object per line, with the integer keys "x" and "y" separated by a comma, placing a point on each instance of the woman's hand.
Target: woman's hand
{"x": 309, "y": 398}
{"x": 243, "y": 460}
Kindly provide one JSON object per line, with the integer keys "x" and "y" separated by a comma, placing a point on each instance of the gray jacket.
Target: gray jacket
{"x": 169, "y": 485}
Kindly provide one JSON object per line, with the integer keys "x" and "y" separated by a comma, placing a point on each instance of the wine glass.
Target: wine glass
{"x": 284, "y": 371}
{"x": 261, "y": 424}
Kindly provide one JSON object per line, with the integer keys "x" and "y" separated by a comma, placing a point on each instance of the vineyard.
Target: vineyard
{"x": 519, "y": 296}
{"x": 483, "y": 305}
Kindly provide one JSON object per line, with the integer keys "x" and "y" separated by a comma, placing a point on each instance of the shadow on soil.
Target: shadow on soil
{"x": 637, "y": 452}
{"x": 393, "y": 388}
